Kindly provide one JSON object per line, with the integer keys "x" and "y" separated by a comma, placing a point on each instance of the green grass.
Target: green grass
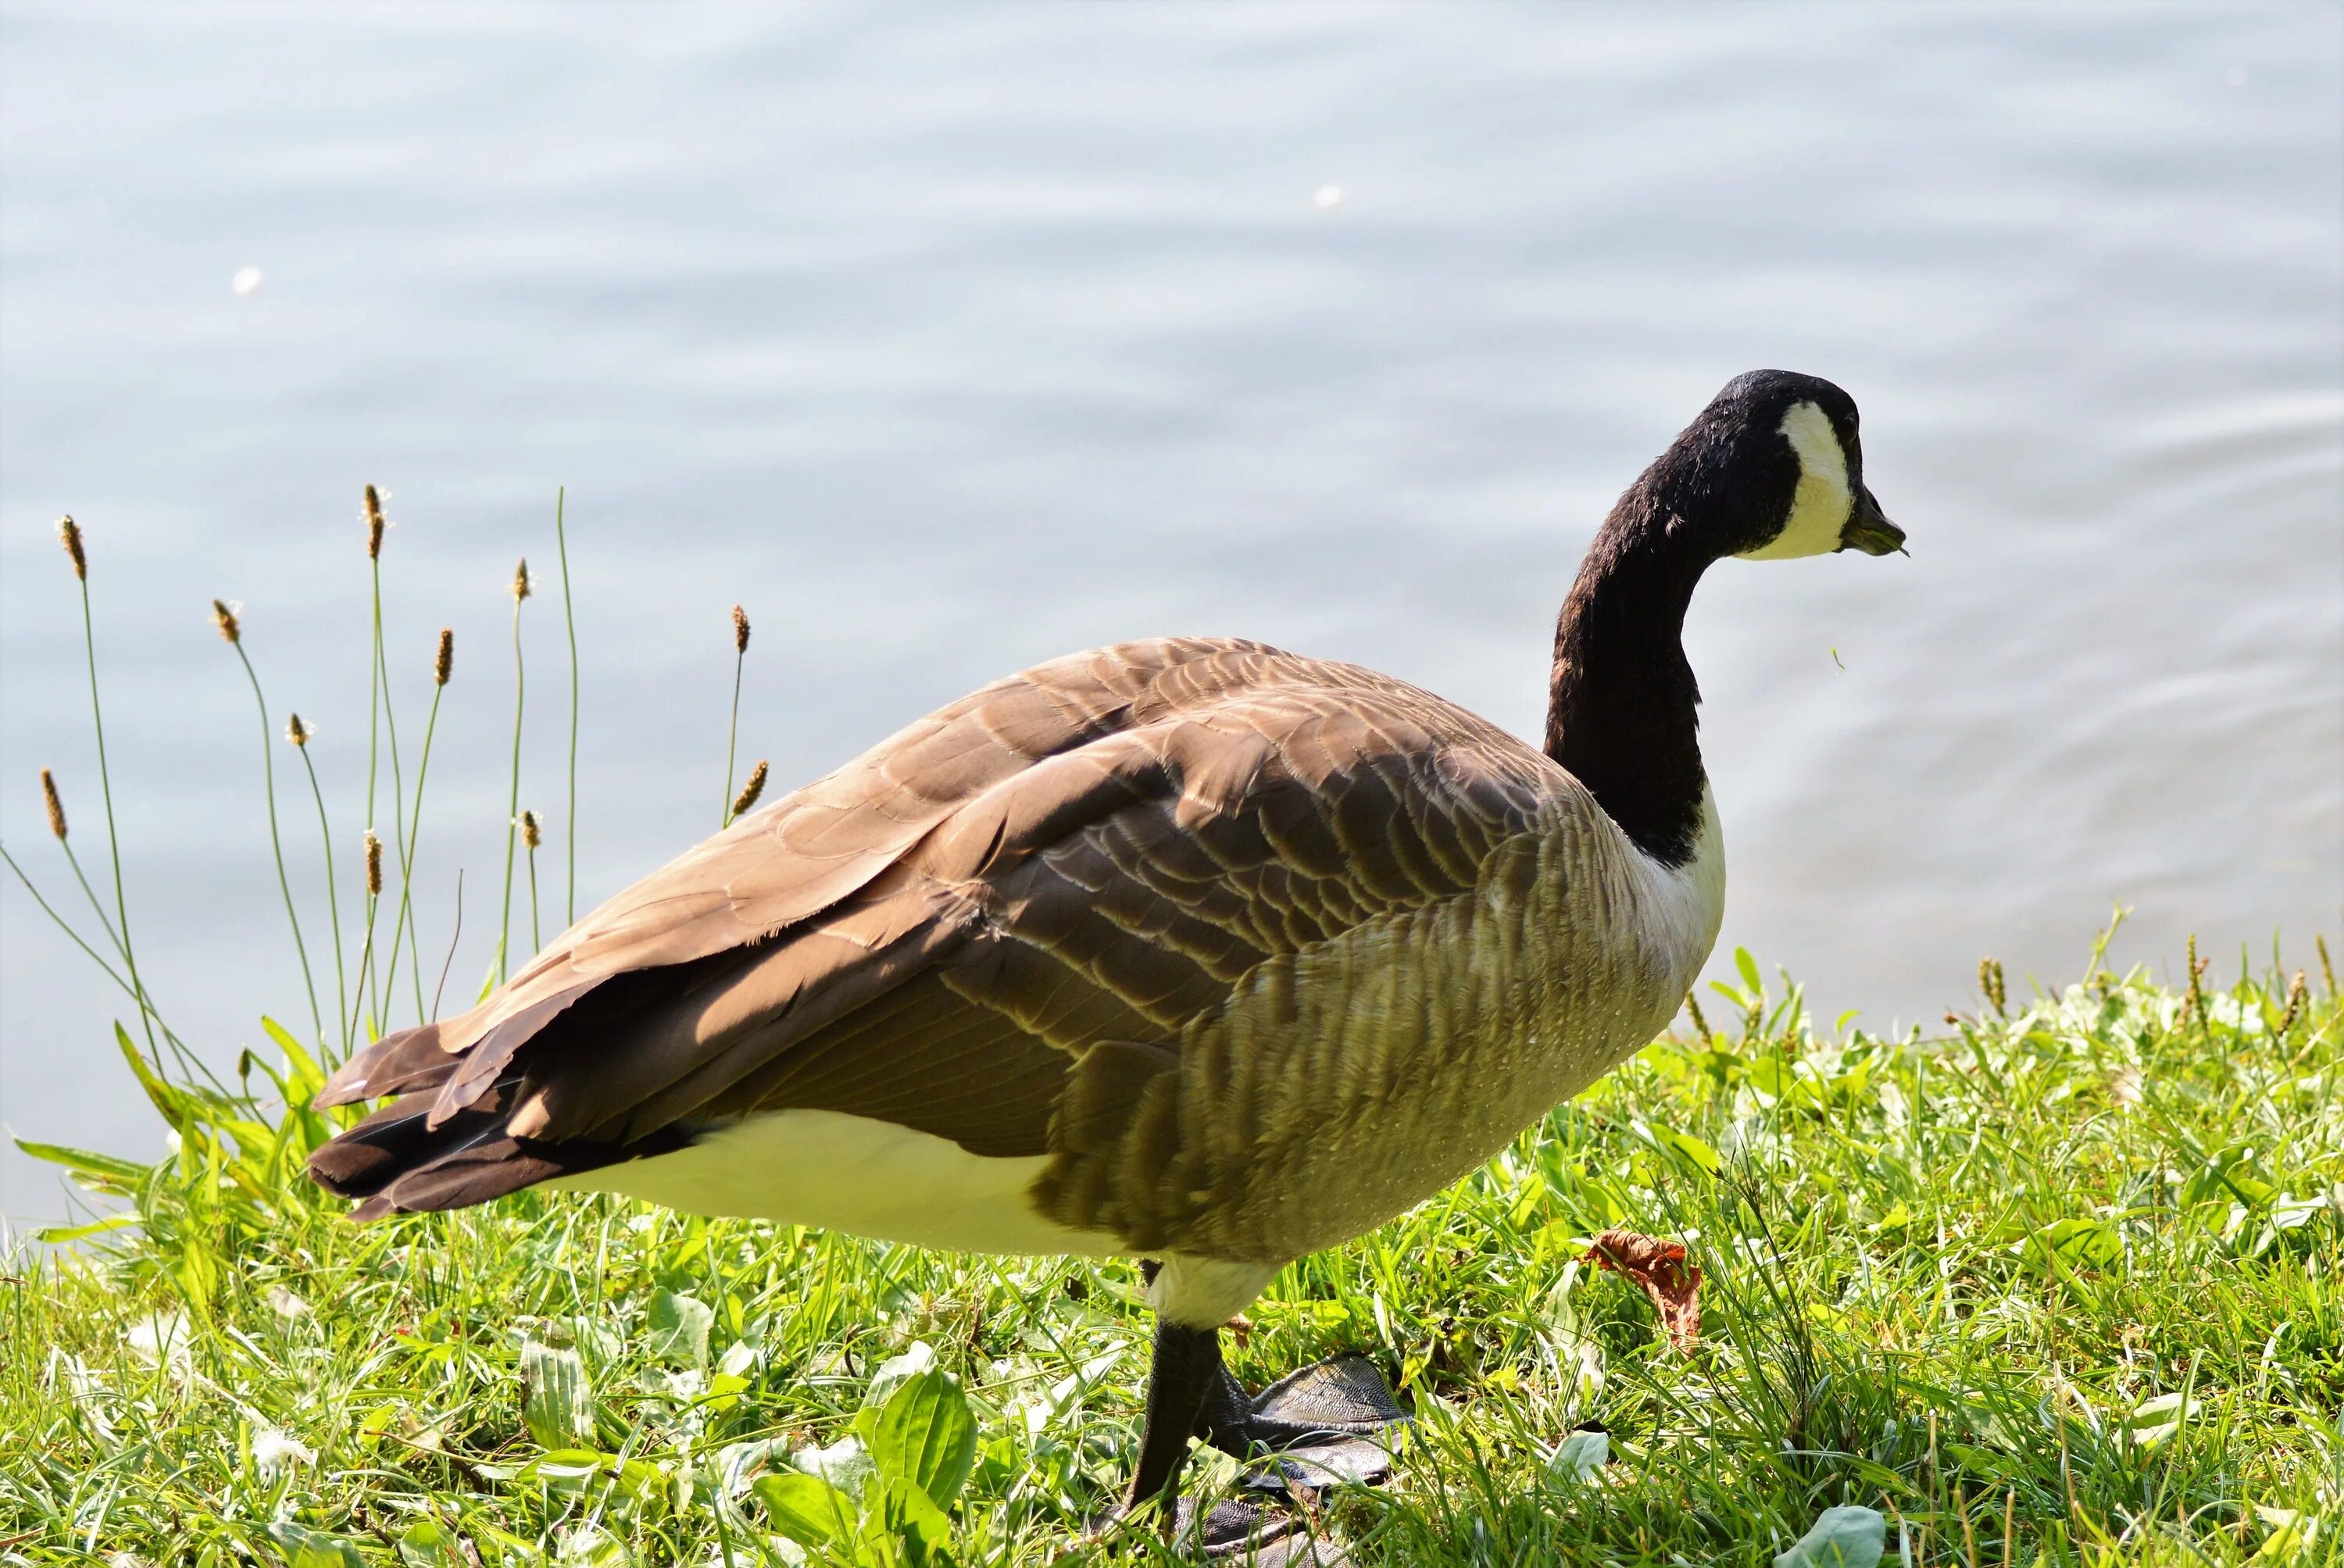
{"x": 2060, "y": 1287}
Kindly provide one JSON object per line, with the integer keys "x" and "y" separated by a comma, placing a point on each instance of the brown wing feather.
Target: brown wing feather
{"x": 1090, "y": 855}
{"x": 778, "y": 868}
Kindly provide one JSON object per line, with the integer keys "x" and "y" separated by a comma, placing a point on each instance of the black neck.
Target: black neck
{"x": 1621, "y": 709}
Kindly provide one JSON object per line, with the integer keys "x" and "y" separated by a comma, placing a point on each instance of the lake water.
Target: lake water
{"x": 948, "y": 342}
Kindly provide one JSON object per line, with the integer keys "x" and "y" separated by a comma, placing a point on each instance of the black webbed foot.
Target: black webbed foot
{"x": 1332, "y": 1421}
{"x": 1262, "y": 1534}
{"x": 1328, "y": 1423}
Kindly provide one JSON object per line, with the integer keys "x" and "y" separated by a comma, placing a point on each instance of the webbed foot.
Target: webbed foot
{"x": 1332, "y": 1423}
{"x": 1328, "y": 1423}
{"x": 1263, "y": 1535}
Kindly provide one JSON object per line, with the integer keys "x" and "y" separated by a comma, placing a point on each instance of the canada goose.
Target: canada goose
{"x": 1189, "y": 949}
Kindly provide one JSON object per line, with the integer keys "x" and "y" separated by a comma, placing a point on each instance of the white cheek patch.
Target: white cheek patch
{"x": 1819, "y": 508}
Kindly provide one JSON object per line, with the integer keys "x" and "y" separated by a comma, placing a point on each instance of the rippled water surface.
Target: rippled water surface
{"x": 948, "y": 343}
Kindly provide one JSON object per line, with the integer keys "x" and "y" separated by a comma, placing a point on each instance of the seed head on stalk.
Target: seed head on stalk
{"x": 373, "y": 865}
{"x": 1992, "y": 985}
{"x": 732, "y": 724}
{"x": 1700, "y": 1023}
{"x": 2299, "y": 992}
{"x": 296, "y": 731}
{"x": 375, "y": 524}
{"x": 231, "y": 630}
{"x": 56, "y": 806}
{"x": 750, "y": 790}
{"x": 520, "y": 590}
{"x": 443, "y": 663}
{"x": 69, "y": 535}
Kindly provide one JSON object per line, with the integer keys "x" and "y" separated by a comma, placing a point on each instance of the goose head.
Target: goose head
{"x": 1771, "y": 470}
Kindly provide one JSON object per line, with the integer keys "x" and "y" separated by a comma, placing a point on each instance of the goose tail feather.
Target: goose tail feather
{"x": 399, "y": 1161}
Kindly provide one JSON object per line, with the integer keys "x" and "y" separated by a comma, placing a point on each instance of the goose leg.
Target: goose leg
{"x": 1184, "y": 1371}
{"x": 1340, "y": 1406}
{"x": 1190, "y": 1393}
{"x": 1329, "y": 1422}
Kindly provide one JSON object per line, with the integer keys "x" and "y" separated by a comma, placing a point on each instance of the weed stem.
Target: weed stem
{"x": 446, "y": 964}
{"x": 733, "y": 728}
{"x": 63, "y": 924}
{"x": 106, "y": 792}
{"x": 403, "y": 923}
{"x": 374, "y": 717}
{"x": 333, "y": 900}
{"x": 569, "y": 624}
{"x": 276, "y": 841}
{"x": 528, "y": 845}
{"x": 512, "y": 802}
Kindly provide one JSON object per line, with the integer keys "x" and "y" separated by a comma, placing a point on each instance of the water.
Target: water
{"x": 950, "y": 343}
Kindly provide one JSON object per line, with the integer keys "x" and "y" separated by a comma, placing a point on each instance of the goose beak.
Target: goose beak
{"x": 1869, "y": 529}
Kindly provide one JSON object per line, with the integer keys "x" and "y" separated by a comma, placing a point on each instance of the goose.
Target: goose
{"x": 1192, "y": 950}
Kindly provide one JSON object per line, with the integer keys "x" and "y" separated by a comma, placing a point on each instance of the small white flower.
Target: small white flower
{"x": 272, "y": 1451}
{"x": 246, "y": 281}
{"x": 1328, "y": 197}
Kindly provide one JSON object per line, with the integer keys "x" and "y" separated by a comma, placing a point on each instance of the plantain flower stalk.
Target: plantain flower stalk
{"x": 69, "y": 535}
{"x": 732, "y": 726}
{"x": 750, "y": 790}
{"x": 56, "y": 807}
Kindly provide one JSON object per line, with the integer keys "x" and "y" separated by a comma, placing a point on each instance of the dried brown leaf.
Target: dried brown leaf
{"x": 1671, "y": 1279}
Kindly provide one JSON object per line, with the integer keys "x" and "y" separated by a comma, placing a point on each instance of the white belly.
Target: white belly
{"x": 850, "y": 1173}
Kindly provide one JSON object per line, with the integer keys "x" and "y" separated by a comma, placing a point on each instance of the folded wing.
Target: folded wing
{"x": 1071, "y": 866}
